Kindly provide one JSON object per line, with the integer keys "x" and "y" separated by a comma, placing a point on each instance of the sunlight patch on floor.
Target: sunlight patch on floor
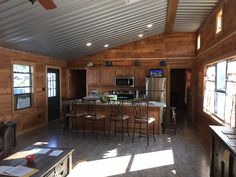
{"x": 173, "y": 171}
{"x": 111, "y": 153}
{"x": 40, "y": 143}
{"x": 152, "y": 160}
{"x": 101, "y": 168}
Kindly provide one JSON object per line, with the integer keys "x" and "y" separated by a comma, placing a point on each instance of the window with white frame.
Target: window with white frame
{"x": 22, "y": 86}
{"x": 219, "y": 94}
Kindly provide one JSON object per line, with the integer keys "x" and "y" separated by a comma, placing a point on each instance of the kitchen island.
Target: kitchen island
{"x": 154, "y": 111}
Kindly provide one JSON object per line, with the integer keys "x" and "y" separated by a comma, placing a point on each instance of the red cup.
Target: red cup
{"x": 30, "y": 158}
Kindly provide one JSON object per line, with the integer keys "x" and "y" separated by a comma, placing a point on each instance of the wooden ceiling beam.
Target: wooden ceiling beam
{"x": 171, "y": 14}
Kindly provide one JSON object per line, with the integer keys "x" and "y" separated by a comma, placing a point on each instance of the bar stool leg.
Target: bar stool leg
{"x": 95, "y": 125}
{"x": 122, "y": 129}
{"x": 104, "y": 123}
{"x": 153, "y": 126}
{"x": 109, "y": 128}
{"x": 133, "y": 132}
{"x": 147, "y": 135}
{"x": 139, "y": 130}
{"x": 115, "y": 128}
{"x": 76, "y": 125}
{"x": 127, "y": 126}
{"x": 83, "y": 126}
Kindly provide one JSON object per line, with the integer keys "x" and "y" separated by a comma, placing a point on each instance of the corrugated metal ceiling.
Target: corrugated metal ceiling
{"x": 192, "y": 13}
{"x": 63, "y": 32}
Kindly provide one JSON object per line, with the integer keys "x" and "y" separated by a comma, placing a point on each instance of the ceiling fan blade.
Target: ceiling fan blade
{"x": 47, "y": 4}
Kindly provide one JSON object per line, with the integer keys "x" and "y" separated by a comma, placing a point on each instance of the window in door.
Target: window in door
{"x": 52, "y": 84}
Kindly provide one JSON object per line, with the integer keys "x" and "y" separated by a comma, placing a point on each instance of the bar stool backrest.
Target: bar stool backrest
{"x": 169, "y": 115}
{"x": 89, "y": 107}
{"x": 115, "y": 108}
{"x": 140, "y": 109}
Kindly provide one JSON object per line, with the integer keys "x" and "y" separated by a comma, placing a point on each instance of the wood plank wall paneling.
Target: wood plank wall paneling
{"x": 177, "y": 49}
{"x": 213, "y": 48}
{"x": 32, "y": 117}
{"x": 150, "y": 51}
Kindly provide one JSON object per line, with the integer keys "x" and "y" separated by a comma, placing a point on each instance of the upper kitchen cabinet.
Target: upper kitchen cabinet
{"x": 94, "y": 76}
{"x": 124, "y": 71}
{"x": 139, "y": 76}
{"x": 107, "y": 77}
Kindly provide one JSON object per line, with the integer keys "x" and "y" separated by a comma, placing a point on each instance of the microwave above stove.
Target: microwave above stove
{"x": 125, "y": 81}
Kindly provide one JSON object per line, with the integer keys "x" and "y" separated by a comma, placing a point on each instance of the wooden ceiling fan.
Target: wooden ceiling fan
{"x": 47, "y": 4}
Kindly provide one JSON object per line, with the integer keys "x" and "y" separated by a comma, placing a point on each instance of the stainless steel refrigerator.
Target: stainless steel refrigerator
{"x": 156, "y": 89}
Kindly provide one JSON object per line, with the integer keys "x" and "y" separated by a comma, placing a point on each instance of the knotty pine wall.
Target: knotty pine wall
{"x": 178, "y": 49}
{"x": 213, "y": 48}
{"x": 35, "y": 116}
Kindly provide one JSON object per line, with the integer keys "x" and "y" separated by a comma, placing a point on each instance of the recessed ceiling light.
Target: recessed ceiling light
{"x": 140, "y": 35}
{"x": 106, "y": 45}
{"x": 131, "y": 1}
{"x": 150, "y": 25}
{"x": 89, "y": 44}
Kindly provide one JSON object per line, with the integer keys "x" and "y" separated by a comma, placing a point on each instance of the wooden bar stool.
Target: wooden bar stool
{"x": 71, "y": 115}
{"x": 116, "y": 115}
{"x": 168, "y": 119}
{"x": 140, "y": 113}
{"x": 90, "y": 113}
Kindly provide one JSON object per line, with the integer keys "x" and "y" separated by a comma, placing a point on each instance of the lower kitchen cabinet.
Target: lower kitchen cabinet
{"x": 62, "y": 169}
{"x": 223, "y": 154}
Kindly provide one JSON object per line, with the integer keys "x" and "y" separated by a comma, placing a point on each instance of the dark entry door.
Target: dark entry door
{"x": 53, "y": 89}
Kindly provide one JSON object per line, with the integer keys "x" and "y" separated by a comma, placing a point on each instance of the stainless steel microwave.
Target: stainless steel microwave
{"x": 125, "y": 81}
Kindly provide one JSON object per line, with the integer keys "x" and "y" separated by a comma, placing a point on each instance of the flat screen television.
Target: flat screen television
{"x": 156, "y": 72}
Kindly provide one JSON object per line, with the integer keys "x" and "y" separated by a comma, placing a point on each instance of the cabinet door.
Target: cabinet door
{"x": 221, "y": 159}
{"x": 234, "y": 166}
{"x": 94, "y": 76}
{"x": 139, "y": 76}
{"x": 125, "y": 71}
{"x": 107, "y": 77}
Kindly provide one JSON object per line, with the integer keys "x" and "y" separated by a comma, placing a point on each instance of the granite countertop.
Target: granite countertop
{"x": 227, "y": 135}
{"x": 128, "y": 103}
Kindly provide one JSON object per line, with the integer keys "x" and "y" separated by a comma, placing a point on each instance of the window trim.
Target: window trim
{"x": 222, "y": 22}
{"x": 205, "y": 110}
{"x": 32, "y": 66}
{"x": 199, "y": 41}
